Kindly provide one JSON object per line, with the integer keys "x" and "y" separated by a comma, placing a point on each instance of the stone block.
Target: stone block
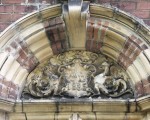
{"x": 40, "y": 116}
{"x": 109, "y": 107}
{"x": 64, "y": 107}
{"x": 16, "y": 116}
{"x": 101, "y": 11}
{"x": 62, "y": 116}
{"x": 81, "y": 107}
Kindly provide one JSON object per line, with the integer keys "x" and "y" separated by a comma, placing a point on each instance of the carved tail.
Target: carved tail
{"x": 120, "y": 94}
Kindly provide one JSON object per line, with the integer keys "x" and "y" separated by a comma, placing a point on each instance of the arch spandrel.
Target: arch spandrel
{"x": 30, "y": 41}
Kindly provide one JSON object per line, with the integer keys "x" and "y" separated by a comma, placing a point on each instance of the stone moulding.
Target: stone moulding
{"x": 84, "y": 105}
{"x": 21, "y": 109}
{"x": 25, "y": 24}
{"x": 101, "y": 108}
{"x": 134, "y": 109}
{"x": 7, "y": 106}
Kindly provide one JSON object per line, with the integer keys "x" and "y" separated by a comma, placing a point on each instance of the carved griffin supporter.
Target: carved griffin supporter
{"x": 77, "y": 74}
{"x": 110, "y": 83}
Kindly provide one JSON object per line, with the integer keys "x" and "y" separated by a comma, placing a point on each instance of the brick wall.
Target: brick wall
{"x": 139, "y": 8}
{"x": 11, "y": 10}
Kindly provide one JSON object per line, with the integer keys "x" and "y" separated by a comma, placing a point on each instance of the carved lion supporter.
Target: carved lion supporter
{"x": 43, "y": 85}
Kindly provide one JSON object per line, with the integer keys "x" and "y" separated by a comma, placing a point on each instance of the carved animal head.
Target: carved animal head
{"x": 109, "y": 83}
{"x": 37, "y": 76}
{"x": 42, "y": 83}
{"x": 105, "y": 64}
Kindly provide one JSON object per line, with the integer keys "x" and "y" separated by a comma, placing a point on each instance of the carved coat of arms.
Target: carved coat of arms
{"x": 76, "y": 77}
{"x": 77, "y": 74}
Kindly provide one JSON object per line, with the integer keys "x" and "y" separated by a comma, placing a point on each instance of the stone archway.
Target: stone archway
{"x": 103, "y": 29}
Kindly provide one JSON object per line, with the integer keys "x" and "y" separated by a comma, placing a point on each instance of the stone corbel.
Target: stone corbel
{"x": 75, "y": 14}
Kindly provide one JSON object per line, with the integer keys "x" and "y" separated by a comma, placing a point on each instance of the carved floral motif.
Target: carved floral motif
{"x": 78, "y": 74}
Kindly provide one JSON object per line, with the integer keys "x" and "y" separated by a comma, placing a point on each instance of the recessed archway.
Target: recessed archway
{"x": 34, "y": 38}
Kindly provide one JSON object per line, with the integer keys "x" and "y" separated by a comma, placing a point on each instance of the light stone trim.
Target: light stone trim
{"x": 127, "y": 22}
{"x": 6, "y": 66}
{"x": 13, "y": 70}
{"x": 31, "y": 28}
{"x": 83, "y": 116}
{"x": 87, "y": 109}
{"x": 133, "y": 73}
{"x": 7, "y": 105}
{"x": 83, "y": 105}
{"x": 76, "y": 12}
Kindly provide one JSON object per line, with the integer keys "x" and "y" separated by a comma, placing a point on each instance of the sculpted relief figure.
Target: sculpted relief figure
{"x": 110, "y": 84}
{"x": 42, "y": 86}
{"x": 100, "y": 79}
{"x": 77, "y": 74}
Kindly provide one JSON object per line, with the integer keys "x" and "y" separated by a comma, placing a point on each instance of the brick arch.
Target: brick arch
{"x": 39, "y": 35}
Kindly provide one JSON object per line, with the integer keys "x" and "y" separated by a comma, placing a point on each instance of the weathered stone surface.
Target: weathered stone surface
{"x": 135, "y": 56}
{"x": 76, "y": 77}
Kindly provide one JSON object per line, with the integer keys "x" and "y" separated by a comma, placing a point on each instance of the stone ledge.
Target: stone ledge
{"x": 84, "y": 105}
{"x": 7, "y": 106}
{"x": 70, "y": 107}
{"x": 83, "y": 116}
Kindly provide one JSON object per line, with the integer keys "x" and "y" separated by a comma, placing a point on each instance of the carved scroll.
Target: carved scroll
{"x": 75, "y": 14}
{"x": 77, "y": 74}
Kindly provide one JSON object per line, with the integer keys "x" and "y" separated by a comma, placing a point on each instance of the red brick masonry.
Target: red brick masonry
{"x": 11, "y": 10}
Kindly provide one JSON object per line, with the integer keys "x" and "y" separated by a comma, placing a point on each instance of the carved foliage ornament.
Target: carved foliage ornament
{"x": 78, "y": 74}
